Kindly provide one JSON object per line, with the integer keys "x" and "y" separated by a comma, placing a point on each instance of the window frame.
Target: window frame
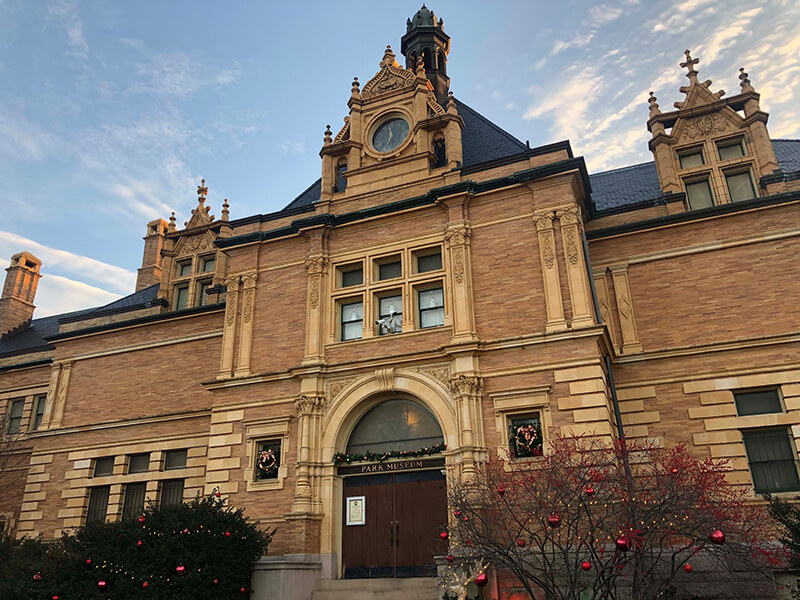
{"x": 385, "y": 295}
{"x": 744, "y": 392}
{"x": 99, "y": 490}
{"x": 180, "y": 264}
{"x": 175, "y": 452}
{"x": 349, "y": 268}
{"x": 130, "y": 471}
{"x": 735, "y": 172}
{"x": 204, "y": 260}
{"x": 176, "y": 294}
{"x": 96, "y": 463}
{"x": 792, "y": 450}
{"x": 342, "y": 305}
{"x": 691, "y": 151}
{"x": 418, "y": 310}
{"x": 131, "y": 512}
{"x": 257, "y": 433}
{"x": 14, "y": 425}
{"x": 694, "y": 181}
{"x": 39, "y": 400}
{"x": 384, "y": 261}
{"x": 730, "y": 143}
{"x": 201, "y": 285}
{"x": 166, "y": 482}
{"x": 423, "y": 253}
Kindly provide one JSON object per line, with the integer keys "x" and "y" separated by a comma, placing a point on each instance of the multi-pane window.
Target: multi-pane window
{"x": 39, "y": 403}
{"x": 133, "y": 505}
{"x": 139, "y": 463}
{"x": 181, "y": 297}
{"x": 352, "y": 324}
{"x": 429, "y": 262}
{"x": 773, "y": 460}
{"x": 104, "y": 467}
{"x": 352, "y": 276}
{"x": 98, "y": 504}
{"x": 174, "y": 459}
{"x": 183, "y": 268}
{"x": 15, "y": 416}
{"x": 171, "y": 491}
{"x": 740, "y": 186}
{"x": 202, "y": 296}
{"x": 431, "y": 307}
{"x": 525, "y": 435}
{"x": 757, "y": 402}
{"x": 698, "y": 193}
{"x": 691, "y": 158}
{"x": 390, "y": 270}
{"x": 390, "y": 314}
{"x": 209, "y": 263}
{"x": 729, "y": 150}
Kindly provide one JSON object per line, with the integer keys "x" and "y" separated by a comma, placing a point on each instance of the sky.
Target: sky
{"x": 112, "y": 112}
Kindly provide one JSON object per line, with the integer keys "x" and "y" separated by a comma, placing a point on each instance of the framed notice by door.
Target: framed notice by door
{"x": 356, "y": 510}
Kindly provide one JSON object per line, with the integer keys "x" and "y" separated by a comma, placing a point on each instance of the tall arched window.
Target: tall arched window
{"x": 426, "y": 59}
{"x": 341, "y": 180}
{"x": 441, "y": 62}
{"x": 397, "y": 424}
{"x": 439, "y": 151}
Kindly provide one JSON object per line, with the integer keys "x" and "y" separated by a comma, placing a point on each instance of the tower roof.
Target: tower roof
{"x": 424, "y": 17}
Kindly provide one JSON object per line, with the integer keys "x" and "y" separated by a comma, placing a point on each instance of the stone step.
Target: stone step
{"x": 414, "y": 588}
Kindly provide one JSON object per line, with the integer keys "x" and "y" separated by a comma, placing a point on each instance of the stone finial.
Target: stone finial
{"x": 225, "y": 211}
{"x": 388, "y": 58}
{"x": 744, "y": 81}
{"x": 451, "y": 104}
{"x": 689, "y": 64}
{"x": 420, "y": 67}
{"x": 202, "y": 191}
{"x": 171, "y": 226}
{"x": 654, "y": 109}
{"x": 328, "y": 139}
{"x": 354, "y": 90}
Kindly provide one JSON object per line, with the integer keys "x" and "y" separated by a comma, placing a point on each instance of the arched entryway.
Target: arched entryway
{"x": 394, "y": 492}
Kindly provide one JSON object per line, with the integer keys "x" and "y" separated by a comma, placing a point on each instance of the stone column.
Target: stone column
{"x": 229, "y": 326}
{"x": 627, "y": 321}
{"x": 457, "y": 237}
{"x": 60, "y": 402}
{"x": 552, "y": 284}
{"x": 577, "y": 274}
{"x": 466, "y": 391}
{"x": 316, "y": 265}
{"x": 309, "y": 417}
{"x": 246, "y": 331}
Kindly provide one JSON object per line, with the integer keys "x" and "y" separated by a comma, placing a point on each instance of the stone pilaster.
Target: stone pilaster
{"x": 310, "y": 409}
{"x": 466, "y": 391}
{"x": 457, "y": 238}
{"x": 229, "y": 326}
{"x": 552, "y": 284}
{"x": 603, "y": 301}
{"x": 316, "y": 266}
{"x": 577, "y": 274}
{"x": 60, "y": 397}
{"x": 246, "y": 331}
{"x": 627, "y": 320}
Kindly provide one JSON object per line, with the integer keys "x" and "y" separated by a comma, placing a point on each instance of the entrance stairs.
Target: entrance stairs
{"x": 412, "y": 588}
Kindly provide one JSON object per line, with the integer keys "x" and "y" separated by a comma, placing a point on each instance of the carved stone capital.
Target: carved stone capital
{"x": 315, "y": 265}
{"x": 543, "y": 219}
{"x": 457, "y": 235}
{"x": 307, "y": 405}
{"x": 233, "y": 283}
{"x": 249, "y": 280}
{"x": 570, "y": 216}
{"x": 465, "y": 385}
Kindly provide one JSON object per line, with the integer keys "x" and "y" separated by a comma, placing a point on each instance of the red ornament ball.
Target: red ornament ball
{"x": 180, "y": 569}
{"x": 687, "y": 567}
{"x": 56, "y": 597}
{"x": 145, "y": 585}
{"x": 227, "y": 534}
{"x": 554, "y": 520}
{"x": 243, "y": 590}
{"x": 457, "y": 514}
{"x": 139, "y": 543}
{"x": 102, "y": 584}
{"x": 141, "y": 519}
{"x": 215, "y": 582}
{"x": 586, "y": 565}
{"x": 185, "y": 531}
{"x": 88, "y": 562}
{"x": 217, "y": 494}
{"x": 443, "y": 535}
{"x": 623, "y": 543}
{"x": 501, "y": 490}
{"x": 590, "y": 491}
{"x": 450, "y": 558}
{"x": 717, "y": 537}
{"x": 674, "y": 470}
{"x": 37, "y": 576}
{"x": 481, "y": 580}
{"x": 466, "y": 518}
{"x": 521, "y": 543}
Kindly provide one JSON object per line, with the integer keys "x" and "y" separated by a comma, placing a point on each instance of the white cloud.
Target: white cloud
{"x": 724, "y": 37}
{"x": 602, "y": 14}
{"x": 179, "y": 76}
{"x": 579, "y": 41}
{"x": 65, "y": 14}
{"x": 21, "y": 139}
{"x": 292, "y": 147}
{"x": 55, "y": 259}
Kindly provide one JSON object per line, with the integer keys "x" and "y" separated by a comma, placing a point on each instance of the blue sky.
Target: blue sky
{"x": 111, "y": 112}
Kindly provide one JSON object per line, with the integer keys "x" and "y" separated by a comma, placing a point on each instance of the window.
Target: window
{"x": 431, "y": 307}
{"x": 98, "y": 504}
{"x": 525, "y": 435}
{"x": 773, "y": 460}
{"x": 390, "y": 270}
{"x": 184, "y": 268}
{"x": 758, "y": 402}
{"x": 202, "y": 296}
{"x": 171, "y": 492}
{"x": 209, "y": 264}
{"x": 352, "y": 320}
{"x": 139, "y": 463}
{"x": 15, "y": 416}
{"x": 699, "y": 195}
{"x": 268, "y": 460}
{"x": 133, "y": 505}
{"x": 181, "y": 297}
{"x": 691, "y": 158}
{"x": 429, "y": 262}
{"x": 341, "y": 180}
{"x": 740, "y": 186}
{"x": 439, "y": 152}
{"x": 174, "y": 459}
{"x": 729, "y": 150}
{"x": 390, "y": 315}
{"x": 103, "y": 467}
{"x": 39, "y": 403}
{"x": 351, "y": 276}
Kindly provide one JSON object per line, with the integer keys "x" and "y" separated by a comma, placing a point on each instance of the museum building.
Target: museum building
{"x": 442, "y": 292}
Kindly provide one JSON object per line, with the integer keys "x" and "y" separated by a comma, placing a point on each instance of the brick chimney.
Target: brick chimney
{"x": 150, "y": 271}
{"x": 16, "y": 303}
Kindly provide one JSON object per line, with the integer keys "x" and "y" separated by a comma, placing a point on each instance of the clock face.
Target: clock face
{"x": 390, "y": 135}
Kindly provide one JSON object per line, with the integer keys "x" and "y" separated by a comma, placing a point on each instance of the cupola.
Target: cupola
{"x": 425, "y": 38}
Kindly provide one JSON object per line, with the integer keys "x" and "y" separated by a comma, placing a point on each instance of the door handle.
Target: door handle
{"x": 391, "y": 533}
{"x": 397, "y": 533}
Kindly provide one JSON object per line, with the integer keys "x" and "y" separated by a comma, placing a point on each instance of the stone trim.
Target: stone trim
{"x": 256, "y": 432}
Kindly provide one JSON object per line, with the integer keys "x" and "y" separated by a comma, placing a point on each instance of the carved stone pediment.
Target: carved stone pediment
{"x": 194, "y": 244}
{"x": 390, "y": 78}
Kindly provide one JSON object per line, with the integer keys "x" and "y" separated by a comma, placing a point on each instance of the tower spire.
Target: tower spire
{"x": 425, "y": 39}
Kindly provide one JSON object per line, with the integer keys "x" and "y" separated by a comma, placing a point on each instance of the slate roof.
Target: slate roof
{"x": 142, "y": 296}
{"x": 481, "y": 141}
{"x": 639, "y": 183}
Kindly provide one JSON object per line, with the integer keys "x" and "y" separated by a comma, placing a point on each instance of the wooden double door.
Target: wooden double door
{"x": 404, "y": 513}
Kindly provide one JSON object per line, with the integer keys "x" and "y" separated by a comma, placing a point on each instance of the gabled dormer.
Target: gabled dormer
{"x": 396, "y": 131}
{"x": 715, "y": 150}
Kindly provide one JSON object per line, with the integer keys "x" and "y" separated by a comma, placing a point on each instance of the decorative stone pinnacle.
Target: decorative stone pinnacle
{"x": 355, "y": 88}
{"x": 689, "y": 65}
{"x": 451, "y": 104}
{"x": 328, "y": 140}
{"x": 202, "y": 191}
{"x": 744, "y": 81}
{"x": 225, "y": 211}
{"x": 420, "y": 67}
{"x": 654, "y": 109}
{"x": 388, "y": 57}
{"x": 172, "y": 222}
